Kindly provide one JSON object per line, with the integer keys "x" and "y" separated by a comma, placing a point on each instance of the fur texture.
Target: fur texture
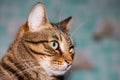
{"x": 41, "y": 50}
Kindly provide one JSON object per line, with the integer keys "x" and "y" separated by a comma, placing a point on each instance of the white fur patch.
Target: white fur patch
{"x": 56, "y": 70}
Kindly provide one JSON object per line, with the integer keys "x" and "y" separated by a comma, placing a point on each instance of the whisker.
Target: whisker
{"x": 76, "y": 30}
{"x": 28, "y": 69}
{"x": 27, "y": 60}
{"x": 22, "y": 62}
{"x": 60, "y": 17}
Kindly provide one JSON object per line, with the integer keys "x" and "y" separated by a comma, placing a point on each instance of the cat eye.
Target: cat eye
{"x": 71, "y": 50}
{"x": 54, "y": 44}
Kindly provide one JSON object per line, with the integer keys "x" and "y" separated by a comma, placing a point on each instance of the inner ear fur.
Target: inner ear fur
{"x": 37, "y": 18}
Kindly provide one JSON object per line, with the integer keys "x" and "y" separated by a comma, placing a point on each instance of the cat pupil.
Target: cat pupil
{"x": 54, "y": 44}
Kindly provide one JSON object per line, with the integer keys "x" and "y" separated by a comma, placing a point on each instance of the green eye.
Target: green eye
{"x": 54, "y": 44}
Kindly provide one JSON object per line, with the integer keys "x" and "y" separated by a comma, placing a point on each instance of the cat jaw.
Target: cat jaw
{"x": 54, "y": 71}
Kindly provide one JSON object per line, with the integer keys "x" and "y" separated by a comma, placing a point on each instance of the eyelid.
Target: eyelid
{"x": 72, "y": 46}
{"x": 54, "y": 41}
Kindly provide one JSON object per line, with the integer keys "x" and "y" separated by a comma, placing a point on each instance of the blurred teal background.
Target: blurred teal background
{"x": 87, "y": 17}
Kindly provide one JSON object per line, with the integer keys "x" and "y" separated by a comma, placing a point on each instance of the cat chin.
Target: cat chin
{"x": 54, "y": 72}
{"x": 58, "y": 72}
{"x": 51, "y": 72}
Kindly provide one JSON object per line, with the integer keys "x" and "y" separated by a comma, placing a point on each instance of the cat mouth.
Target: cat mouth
{"x": 60, "y": 72}
{"x": 62, "y": 69}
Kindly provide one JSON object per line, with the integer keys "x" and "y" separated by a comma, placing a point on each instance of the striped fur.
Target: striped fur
{"x": 30, "y": 56}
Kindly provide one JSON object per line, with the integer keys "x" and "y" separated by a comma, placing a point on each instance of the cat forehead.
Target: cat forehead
{"x": 63, "y": 37}
{"x": 48, "y": 34}
{"x": 56, "y": 33}
{"x": 68, "y": 39}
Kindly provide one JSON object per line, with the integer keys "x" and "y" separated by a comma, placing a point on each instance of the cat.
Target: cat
{"x": 41, "y": 51}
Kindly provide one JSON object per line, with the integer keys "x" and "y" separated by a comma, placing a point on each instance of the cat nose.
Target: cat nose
{"x": 69, "y": 62}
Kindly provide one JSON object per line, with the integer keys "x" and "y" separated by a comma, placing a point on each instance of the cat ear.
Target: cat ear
{"x": 37, "y": 17}
{"x": 65, "y": 24}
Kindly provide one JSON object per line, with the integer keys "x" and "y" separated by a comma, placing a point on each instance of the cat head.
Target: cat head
{"x": 50, "y": 44}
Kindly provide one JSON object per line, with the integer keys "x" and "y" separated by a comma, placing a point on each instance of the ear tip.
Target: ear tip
{"x": 39, "y": 4}
{"x": 70, "y": 17}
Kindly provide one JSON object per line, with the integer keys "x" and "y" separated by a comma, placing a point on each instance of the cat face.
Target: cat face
{"x": 50, "y": 44}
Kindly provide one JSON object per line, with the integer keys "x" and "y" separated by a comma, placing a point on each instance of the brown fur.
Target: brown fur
{"x": 21, "y": 62}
